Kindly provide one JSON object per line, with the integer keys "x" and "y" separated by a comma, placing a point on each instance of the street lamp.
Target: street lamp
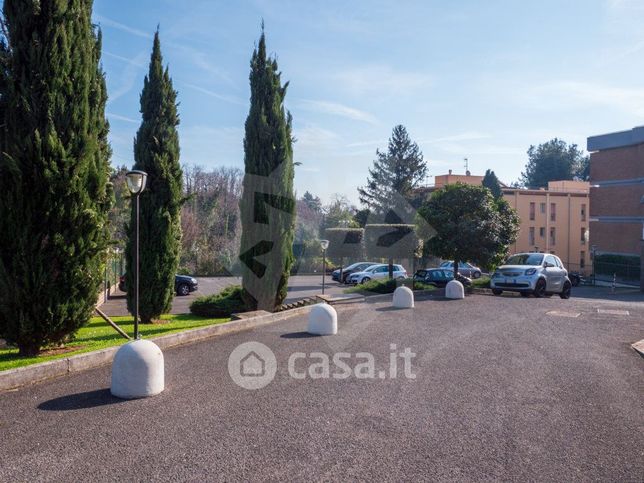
{"x": 324, "y": 244}
{"x": 136, "y": 181}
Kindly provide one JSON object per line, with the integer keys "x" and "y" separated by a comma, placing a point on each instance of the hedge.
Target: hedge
{"x": 222, "y": 304}
{"x": 390, "y": 241}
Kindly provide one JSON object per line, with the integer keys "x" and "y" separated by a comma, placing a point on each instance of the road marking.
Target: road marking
{"x": 613, "y": 312}
{"x": 559, "y": 313}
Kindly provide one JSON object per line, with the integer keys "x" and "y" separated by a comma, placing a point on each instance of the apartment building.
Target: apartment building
{"x": 617, "y": 194}
{"x": 554, "y": 220}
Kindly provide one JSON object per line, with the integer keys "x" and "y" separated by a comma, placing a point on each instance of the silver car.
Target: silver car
{"x": 538, "y": 274}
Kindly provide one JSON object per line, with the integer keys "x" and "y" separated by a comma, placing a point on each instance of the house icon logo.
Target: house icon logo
{"x": 252, "y": 365}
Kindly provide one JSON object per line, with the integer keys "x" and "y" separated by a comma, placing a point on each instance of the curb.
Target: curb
{"x": 639, "y": 347}
{"x": 22, "y": 376}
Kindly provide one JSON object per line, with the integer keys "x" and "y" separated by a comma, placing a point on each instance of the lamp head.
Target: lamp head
{"x": 324, "y": 244}
{"x": 136, "y": 181}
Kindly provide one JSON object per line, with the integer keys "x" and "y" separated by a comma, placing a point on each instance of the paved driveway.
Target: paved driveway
{"x": 505, "y": 388}
{"x": 299, "y": 286}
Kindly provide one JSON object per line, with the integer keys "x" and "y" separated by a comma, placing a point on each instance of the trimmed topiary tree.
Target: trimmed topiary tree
{"x": 344, "y": 243}
{"x": 268, "y": 201}
{"x": 156, "y": 151}
{"x": 390, "y": 242}
{"x": 54, "y": 171}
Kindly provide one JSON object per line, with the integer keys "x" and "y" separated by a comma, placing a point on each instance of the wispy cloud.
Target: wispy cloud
{"x": 381, "y": 79}
{"x": 336, "y": 109}
{"x": 128, "y": 78}
{"x": 216, "y": 95}
{"x": 136, "y": 61}
{"x": 464, "y": 136}
{"x": 119, "y": 26}
{"x": 118, "y": 117}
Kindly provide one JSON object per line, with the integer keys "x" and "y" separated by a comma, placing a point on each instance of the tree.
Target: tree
{"x": 54, "y": 168}
{"x": 313, "y": 202}
{"x": 390, "y": 241}
{"x": 468, "y": 224}
{"x": 552, "y": 161}
{"x": 491, "y": 182}
{"x": 268, "y": 201}
{"x": 338, "y": 213}
{"x": 156, "y": 151}
{"x": 398, "y": 171}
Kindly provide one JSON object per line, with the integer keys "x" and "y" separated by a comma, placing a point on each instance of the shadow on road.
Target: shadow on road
{"x": 299, "y": 335}
{"x": 81, "y": 400}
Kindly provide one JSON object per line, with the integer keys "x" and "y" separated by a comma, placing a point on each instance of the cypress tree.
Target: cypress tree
{"x": 491, "y": 182}
{"x": 54, "y": 190}
{"x": 156, "y": 151}
{"x": 268, "y": 201}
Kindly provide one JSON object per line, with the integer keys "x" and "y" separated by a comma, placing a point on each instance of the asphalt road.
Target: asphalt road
{"x": 299, "y": 286}
{"x": 503, "y": 391}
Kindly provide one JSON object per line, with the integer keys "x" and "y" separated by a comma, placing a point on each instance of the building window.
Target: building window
{"x": 553, "y": 237}
{"x": 553, "y": 211}
{"x": 582, "y": 259}
{"x": 583, "y": 212}
{"x": 532, "y": 209}
{"x": 583, "y": 236}
{"x": 542, "y": 232}
{"x": 531, "y": 236}
{"x": 542, "y": 208}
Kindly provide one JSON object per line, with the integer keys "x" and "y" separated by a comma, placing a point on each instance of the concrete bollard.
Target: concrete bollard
{"x": 454, "y": 290}
{"x": 323, "y": 320}
{"x": 138, "y": 370}
{"x": 403, "y": 298}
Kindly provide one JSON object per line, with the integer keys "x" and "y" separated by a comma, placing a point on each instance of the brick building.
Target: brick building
{"x": 617, "y": 193}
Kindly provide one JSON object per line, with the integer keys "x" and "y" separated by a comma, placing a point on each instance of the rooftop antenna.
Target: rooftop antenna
{"x": 467, "y": 165}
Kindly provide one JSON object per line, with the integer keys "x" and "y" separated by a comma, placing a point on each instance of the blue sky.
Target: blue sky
{"x": 474, "y": 79}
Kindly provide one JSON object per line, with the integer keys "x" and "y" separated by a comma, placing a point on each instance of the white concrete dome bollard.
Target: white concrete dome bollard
{"x": 137, "y": 370}
{"x": 323, "y": 320}
{"x": 454, "y": 290}
{"x": 403, "y": 298}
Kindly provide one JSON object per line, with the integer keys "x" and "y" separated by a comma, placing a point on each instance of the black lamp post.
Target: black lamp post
{"x": 136, "y": 184}
{"x": 324, "y": 244}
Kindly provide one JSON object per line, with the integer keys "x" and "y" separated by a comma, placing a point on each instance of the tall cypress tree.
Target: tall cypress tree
{"x": 54, "y": 190}
{"x": 268, "y": 201}
{"x": 491, "y": 182}
{"x": 156, "y": 151}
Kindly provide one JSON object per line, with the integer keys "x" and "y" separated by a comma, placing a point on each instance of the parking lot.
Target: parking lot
{"x": 504, "y": 388}
{"x": 299, "y": 286}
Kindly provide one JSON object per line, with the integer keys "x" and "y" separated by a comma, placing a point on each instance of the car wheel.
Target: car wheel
{"x": 525, "y": 294}
{"x": 565, "y": 293}
{"x": 365, "y": 280}
{"x": 496, "y": 291}
{"x": 540, "y": 288}
{"x": 183, "y": 289}
{"x": 476, "y": 275}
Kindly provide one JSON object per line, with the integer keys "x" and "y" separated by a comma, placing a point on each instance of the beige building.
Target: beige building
{"x": 553, "y": 220}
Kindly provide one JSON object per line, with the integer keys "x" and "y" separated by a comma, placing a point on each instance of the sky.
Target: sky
{"x": 467, "y": 78}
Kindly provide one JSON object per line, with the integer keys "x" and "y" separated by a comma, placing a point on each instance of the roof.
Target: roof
{"x": 620, "y": 139}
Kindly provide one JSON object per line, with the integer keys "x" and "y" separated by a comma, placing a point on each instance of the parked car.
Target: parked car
{"x": 539, "y": 274}
{"x": 434, "y": 276}
{"x": 183, "y": 284}
{"x": 353, "y": 268}
{"x": 464, "y": 268}
{"x": 376, "y": 271}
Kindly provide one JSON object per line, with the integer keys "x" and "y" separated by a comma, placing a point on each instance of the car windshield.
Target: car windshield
{"x": 353, "y": 265}
{"x": 373, "y": 268}
{"x": 525, "y": 259}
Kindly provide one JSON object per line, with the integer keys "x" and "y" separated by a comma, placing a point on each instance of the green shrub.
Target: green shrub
{"x": 222, "y": 304}
{"x": 386, "y": 286}
{"x": 482, "y": 282}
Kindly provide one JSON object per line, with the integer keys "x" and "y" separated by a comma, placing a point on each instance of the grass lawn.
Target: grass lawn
{"x": 99, "y": 335}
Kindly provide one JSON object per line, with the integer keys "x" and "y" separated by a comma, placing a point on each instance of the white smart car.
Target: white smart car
{"x": 538, "y": 274}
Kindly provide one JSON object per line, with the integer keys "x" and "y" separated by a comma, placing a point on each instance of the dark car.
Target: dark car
{"x": 353, "y": 268}
{"x": 183, "y": 284}
{"x": 433, "y": 276}
{"x": 439, "y": 277}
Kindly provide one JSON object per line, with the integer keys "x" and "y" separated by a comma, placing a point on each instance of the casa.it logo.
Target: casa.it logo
{"x": 252, "y": 365}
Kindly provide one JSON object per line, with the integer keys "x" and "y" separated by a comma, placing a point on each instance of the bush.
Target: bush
{"x": 387, "y": 286}
{"x": 222, "y": 304}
